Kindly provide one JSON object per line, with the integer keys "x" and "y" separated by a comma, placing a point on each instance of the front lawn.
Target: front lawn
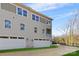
{"x": 76, "y": 53}
{"x": 26, "y": 49}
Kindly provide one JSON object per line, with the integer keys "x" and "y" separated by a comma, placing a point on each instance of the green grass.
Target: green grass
{"x": 26, "y": 49}
{"x": 76, "y": 53}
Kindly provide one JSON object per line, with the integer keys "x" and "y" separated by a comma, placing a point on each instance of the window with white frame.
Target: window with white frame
{"x": 24, "y": 13}
{"x": 22, "y": 26}
{"x": 35, "y": 17}
{"x": 7, "y": 24}
{"x": 19, "y": 11}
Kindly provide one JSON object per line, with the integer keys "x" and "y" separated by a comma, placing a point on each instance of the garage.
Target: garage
{"x": 41, "y": 43}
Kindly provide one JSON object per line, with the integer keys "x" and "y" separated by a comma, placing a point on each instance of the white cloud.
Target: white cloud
{"x": 57, "y": 33}
{"x": 72, "y": 13}
{"x": 46, "y": 6}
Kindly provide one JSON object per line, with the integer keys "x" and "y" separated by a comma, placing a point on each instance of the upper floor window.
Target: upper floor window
{"x": 7, "y": 24}
{"x": 22, "y": 26}
{"x": 19, "y": 11}
{"x": 24, "y": 13}
{"x": 37, "y": 18}
{"x": 33, "y": 16}
{"x": 48, "y": 22}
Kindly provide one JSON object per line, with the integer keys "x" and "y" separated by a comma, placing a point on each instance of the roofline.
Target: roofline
{"x": 32, "y": 10}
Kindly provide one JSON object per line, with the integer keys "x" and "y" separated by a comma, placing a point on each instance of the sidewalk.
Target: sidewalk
{"x": 43, "y": 52}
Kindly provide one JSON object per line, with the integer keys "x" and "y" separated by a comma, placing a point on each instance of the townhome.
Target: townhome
{"x": 23, "y": 27}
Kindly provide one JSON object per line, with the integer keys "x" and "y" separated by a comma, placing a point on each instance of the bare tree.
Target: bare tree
{"x": 73, "y": 29}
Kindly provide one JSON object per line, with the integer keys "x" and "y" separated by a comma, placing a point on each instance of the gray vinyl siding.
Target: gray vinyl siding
{"x": 8, "y": 7}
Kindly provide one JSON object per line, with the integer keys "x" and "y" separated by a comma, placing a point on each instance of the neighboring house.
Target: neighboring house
{"x": 23, "y": 27}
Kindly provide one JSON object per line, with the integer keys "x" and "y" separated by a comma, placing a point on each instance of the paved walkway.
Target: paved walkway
{"x": 43, "y": 52}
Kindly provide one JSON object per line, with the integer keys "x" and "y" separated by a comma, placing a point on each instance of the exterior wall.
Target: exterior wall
{"x": 8, "y": 7}
{"x": 28, "y": 33}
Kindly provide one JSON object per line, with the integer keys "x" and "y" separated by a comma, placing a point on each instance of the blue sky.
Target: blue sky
{"x": 60, "y": 12}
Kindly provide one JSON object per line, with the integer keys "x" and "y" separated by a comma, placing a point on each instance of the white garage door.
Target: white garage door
{"x": 12, "y": 43}
{"x": 38, "y": 43}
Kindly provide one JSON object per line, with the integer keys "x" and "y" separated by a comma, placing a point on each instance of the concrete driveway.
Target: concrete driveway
{"x": 43, "y": 52}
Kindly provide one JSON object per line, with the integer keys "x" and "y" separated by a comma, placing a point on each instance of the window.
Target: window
{"x": 24, "y": 13}
{"x": 7, "y": 24}
{"x": 20, "y": 37}
{"x": 33, "y": 16}
{"x": 48, "y": 22}
{"x": 37, "y": 18}
{"x": 35, "y": 29}
{"x": 43, "y": 30}
{"x": 48, "y": 31}
{"x": 22, "y": 26}
{"x": 43, "y": 20}
{"x": 40, "y": 39}
{"x": 19, "y": 11}
{"x": 4, "y": 37}
{"x": 13, "y": 37}
{"x": 35, "y": 39}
